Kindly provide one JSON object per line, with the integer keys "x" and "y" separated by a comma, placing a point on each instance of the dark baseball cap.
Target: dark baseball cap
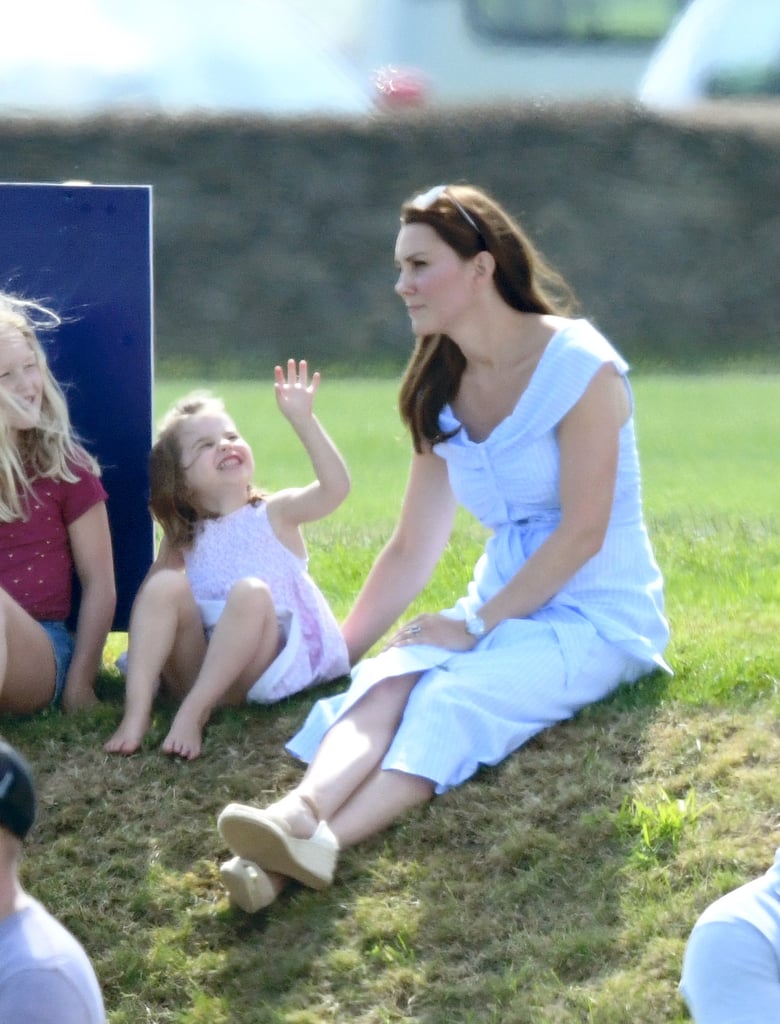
{"x": 17, "y": 792}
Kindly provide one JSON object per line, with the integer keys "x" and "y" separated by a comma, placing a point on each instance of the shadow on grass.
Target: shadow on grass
{"x": 499, "y": 901}
{"x": 528, "y": 892}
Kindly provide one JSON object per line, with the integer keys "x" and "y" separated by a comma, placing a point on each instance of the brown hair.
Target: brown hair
{"x": 523, "y": 279}
{"x": 171, "y": 500}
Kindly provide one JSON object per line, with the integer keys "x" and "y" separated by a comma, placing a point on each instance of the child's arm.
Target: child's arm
{"x": 296, "y": 505}
{"x": 90, "y": 541}
{"x": 167, "y": 557}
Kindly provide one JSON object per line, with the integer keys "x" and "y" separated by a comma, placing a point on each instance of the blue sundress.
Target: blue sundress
{"x": 606, "y": 626}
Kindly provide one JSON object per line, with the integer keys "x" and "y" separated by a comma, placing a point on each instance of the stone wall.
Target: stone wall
{"x": 275, "y": 238}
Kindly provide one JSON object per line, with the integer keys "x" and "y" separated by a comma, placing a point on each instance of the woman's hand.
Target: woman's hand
{"x": 438, "y": 630}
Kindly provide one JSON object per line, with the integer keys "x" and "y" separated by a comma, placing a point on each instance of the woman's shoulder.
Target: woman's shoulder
{"x": 573, "y": 356}
{"x": 579, "y": 341}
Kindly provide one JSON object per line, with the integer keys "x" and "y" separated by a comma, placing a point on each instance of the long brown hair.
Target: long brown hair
{"x": 473, "y": 222}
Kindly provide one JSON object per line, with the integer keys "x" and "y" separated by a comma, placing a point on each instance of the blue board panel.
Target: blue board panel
{"x": 85, "y": 250}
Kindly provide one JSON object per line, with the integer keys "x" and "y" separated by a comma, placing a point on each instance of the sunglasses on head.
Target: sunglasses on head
{"x": 427, "y": 199}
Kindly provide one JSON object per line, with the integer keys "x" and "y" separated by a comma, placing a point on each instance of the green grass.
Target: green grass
{"x": 557, "y": 888}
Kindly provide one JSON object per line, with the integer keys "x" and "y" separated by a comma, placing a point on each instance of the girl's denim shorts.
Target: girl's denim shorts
{"x": 62, "y": 643}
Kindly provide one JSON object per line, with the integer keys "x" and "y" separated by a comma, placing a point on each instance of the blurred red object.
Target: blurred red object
{"x": 400, "y": 87}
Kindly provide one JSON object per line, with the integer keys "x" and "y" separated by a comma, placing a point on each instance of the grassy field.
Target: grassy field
{"x": 557, "y": 888}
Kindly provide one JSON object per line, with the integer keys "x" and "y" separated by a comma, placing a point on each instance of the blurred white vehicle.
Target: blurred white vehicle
{"x": 717, "y": 48}
{"x": 487, "y": 51}
{"x": 84, "y": 57}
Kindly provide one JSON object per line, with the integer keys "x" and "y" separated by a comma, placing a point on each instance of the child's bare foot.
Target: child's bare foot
{"x": 127, "y": 739}
{"x": 185, "y": 737}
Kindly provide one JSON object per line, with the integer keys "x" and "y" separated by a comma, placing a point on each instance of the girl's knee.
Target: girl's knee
{"x": 13, "y": 617}
{"x": 251, "y": 593}
{"x": 166, "y": 585}
{"x": 7, "y": 606}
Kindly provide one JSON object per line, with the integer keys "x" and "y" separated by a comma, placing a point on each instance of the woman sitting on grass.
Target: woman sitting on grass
{"x": 228, "y": 611}
{"x": 524, "y": 416}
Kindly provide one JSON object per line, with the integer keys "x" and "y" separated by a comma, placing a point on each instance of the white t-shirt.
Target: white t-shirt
{"x": 45, "y": 974}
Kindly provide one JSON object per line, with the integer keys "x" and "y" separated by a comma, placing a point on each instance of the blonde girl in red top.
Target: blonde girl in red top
{"x": 52, "y": 520}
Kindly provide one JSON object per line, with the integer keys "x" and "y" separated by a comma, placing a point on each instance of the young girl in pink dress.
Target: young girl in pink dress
{"x": 228, "y": 611}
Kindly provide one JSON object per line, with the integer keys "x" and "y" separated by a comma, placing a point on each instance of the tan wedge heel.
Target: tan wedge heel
{"x": 248, "y": 886}
{"x": 266, "y": 841}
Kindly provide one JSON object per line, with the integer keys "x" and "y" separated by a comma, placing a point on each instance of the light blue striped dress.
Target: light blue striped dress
{"x": 605, "y": 627}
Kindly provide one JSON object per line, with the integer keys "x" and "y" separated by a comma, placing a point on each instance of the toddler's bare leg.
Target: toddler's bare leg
{"x": 244, "y": 643}
{"x": 166, "y": 636}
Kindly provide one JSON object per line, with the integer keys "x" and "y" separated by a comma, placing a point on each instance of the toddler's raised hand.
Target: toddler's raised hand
{"x": 295, "y": 395}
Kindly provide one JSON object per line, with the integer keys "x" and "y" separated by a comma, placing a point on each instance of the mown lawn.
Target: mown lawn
{"x": 557, "y": 888}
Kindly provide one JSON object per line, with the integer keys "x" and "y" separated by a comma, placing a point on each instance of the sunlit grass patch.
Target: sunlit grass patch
{"x": 655, "y": 825}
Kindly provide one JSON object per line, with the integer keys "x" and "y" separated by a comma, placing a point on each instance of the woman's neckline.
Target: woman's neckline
{"x": 481, "y": 436}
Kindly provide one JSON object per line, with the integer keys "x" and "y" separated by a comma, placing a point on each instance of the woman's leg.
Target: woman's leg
{"x": 344, "y": 784}
{"x": 166, "y": 639}
{"x": 380, "y": 801}
{"x": 344, "y": 789}
{"x": 244, "y": 643}
{"x": 289, "y": 840}
{"x": 27, "y": 667}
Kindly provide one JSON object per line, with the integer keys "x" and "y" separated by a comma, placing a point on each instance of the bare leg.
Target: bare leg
{"x": 382, "y": 798}
{"x": 166, "y": 636}
{"x": 344, "y": 785}
{"x": 27, "y": 667}
{"x": 244, "y": 643}
{"x": 352, "y": 749}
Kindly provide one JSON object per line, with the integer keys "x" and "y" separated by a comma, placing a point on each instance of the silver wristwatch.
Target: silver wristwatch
{"x": 475, "y": 626}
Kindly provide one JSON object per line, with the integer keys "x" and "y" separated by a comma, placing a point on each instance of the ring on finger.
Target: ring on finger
{"x": 415, "y": 629}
